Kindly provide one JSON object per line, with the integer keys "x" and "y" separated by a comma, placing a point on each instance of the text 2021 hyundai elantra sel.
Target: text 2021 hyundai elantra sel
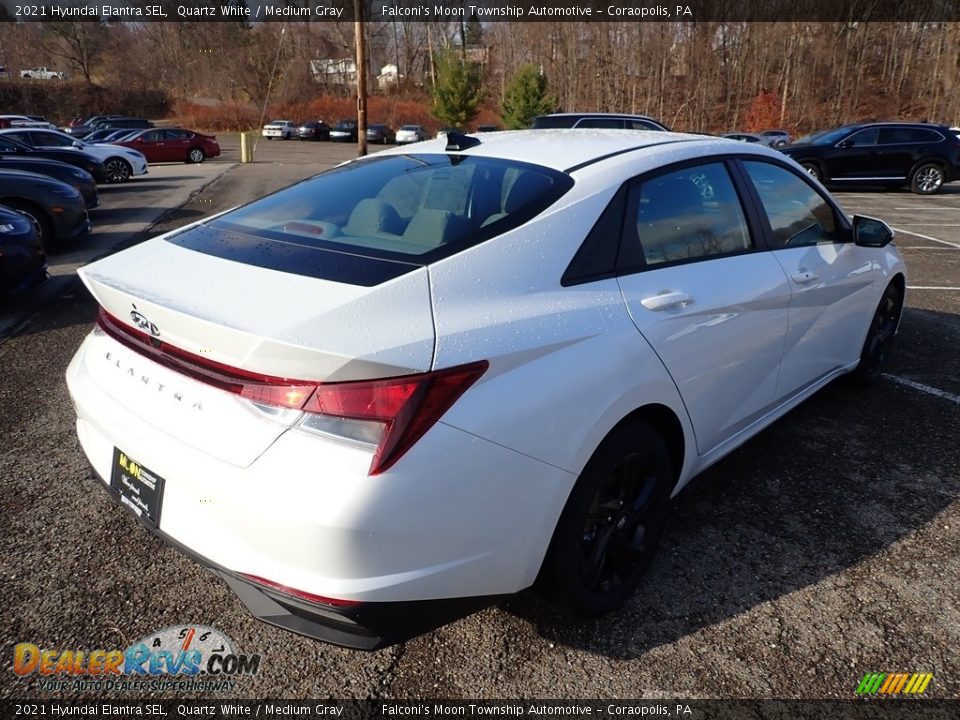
{"x": 423, "y": 381}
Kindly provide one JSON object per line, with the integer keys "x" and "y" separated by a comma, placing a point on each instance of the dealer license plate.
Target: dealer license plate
{"x": 140, "y": 489}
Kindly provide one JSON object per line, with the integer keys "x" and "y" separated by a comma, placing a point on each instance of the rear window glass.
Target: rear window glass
{"x": 413, "y": 208}
{"x": 551, "y": 122}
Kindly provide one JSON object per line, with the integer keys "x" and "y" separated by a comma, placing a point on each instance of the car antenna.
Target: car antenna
{"x": 459, "y": 141}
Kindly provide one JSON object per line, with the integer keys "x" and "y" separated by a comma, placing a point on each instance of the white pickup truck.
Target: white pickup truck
{"x": 42, "y": 73}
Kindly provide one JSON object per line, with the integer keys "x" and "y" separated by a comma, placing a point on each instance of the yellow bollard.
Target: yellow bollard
{"x": 246, "y": 147}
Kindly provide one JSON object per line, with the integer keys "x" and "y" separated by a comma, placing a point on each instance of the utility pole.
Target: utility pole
{"x": 361, "y": 80}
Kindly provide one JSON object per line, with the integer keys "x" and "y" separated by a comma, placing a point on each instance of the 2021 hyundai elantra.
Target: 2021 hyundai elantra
{"x": 425, "y": 380}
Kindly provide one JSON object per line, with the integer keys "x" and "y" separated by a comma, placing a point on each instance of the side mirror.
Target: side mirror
{"x": 870, "y": 232}
{"x": 77, "y": 144}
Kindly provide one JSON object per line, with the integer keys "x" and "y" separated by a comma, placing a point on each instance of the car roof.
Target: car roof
{"x": 596, "y": 114}
{"x": 571, "y": 149}
{"x": 895, "y": 123}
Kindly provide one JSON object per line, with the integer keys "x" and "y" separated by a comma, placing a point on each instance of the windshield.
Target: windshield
{"x": 828, "y": 137}
{"x": 412, "y": 208}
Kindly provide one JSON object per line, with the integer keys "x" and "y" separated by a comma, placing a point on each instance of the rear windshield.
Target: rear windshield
{"x": 552, "y": 122}
{"x": 410, "y": 127}
{"x": 409, "y": 208}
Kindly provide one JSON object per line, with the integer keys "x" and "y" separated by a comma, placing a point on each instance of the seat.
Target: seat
{"x": 374, "y": 218}
{"x": 431, "y": 228}
{"x": 525, "y": 189}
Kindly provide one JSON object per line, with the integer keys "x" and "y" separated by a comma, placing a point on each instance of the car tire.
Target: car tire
{"x": 611, "y": 523}
{"x": 927, "y": 179}
{"x": 41, "y": 221}
{"x": 813, "y": 169}
{"x": 880, "y": 336}
{"x": 118, "y": 170}
{"x": 196, "y": 156}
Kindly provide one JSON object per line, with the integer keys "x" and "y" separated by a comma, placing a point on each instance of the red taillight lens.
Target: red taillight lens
{"x": 407, "y": 406}
{"x": 390, "y": 414}
{"x": 299, "y": 594}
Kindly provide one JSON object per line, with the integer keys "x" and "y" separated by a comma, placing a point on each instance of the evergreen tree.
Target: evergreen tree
{"x": 525, "y": 98}
{"x": 458, "y": 90}
{"x": 474, "y": 32}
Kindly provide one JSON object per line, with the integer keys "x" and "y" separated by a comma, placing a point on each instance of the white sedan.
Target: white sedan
{"x": 283, "y": 129}
{"x": 424, "y": 380}
{"x": 121, "y": 163}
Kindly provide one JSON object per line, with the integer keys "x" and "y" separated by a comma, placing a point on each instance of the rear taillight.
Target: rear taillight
{"x": 386, "y": 415}
{"x": 392, "y": 413}
{"x": 299, "y": 594}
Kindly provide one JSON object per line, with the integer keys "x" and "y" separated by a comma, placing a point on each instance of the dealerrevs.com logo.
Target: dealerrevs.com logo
{"x": 180, "y": 657}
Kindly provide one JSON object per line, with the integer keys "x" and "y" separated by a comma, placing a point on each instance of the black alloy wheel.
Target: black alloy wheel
{"x": 879, "y": 342}
{"x": 611, "y": 524}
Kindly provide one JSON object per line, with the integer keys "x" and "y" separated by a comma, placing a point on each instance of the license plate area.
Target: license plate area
{"x": 139, "y": 489}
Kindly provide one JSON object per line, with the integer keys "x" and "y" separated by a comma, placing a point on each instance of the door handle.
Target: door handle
{"x": 666, "y": 300}
{"x": 804, "y": 277}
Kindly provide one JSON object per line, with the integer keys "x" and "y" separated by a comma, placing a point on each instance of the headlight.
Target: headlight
{"x": 66, "y": 191}
{"x": 6, "y": 227}
{"x": 80, "y": 174}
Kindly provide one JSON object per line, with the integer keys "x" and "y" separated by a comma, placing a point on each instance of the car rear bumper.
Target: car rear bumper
{"x": 364, "y": 626}
{"x": 457, "y": 522}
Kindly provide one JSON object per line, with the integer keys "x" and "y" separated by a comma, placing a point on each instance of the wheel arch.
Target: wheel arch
{"x": 665, "y": 421}
{"x": 16, "y": 200}
{"x": 932, "y": 160}
{"x": 900, "y": 282}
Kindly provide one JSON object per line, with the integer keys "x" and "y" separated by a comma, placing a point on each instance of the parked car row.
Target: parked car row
{"x": 49, "y": 178}
{"x": 922, "y": 156}
{"x": 81, "y": 128}
{"x": 346, "y": 131}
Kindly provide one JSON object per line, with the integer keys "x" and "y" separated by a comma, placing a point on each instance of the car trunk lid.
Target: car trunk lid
{"x": 213, "y": 312}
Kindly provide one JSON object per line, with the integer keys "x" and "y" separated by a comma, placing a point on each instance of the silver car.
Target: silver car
{"x": 410, "y": 134}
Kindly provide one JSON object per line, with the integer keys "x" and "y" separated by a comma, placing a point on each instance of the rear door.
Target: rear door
{"x": 705, "y": 294}
{"x": 903, "y": 147}
{"x": 177, "y": 144}
{"x": 829, "y": 276}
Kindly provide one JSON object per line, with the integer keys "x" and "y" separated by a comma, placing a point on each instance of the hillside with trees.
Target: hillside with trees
{"x": 705, "y": 76}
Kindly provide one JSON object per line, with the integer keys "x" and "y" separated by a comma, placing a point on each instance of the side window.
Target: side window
{"x": 926, "y": 136}
{"x": 174, "y": 134}
{"x": 896, "y": 136}
{"x": 799, "y": 216}
{"x": 641, "y": 125}
{"x": 864, "y": 137}
{"x": 50, "y": 140}
{"x": 684, "y": 215}
{"x": 602, "y": 123}
{"x": 152, "y": 136}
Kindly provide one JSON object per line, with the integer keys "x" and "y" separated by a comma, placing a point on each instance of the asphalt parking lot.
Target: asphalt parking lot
{"x": 825, "y": 548}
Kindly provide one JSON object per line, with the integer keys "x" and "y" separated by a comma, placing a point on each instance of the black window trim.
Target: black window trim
{"x": 757, "y": 223}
